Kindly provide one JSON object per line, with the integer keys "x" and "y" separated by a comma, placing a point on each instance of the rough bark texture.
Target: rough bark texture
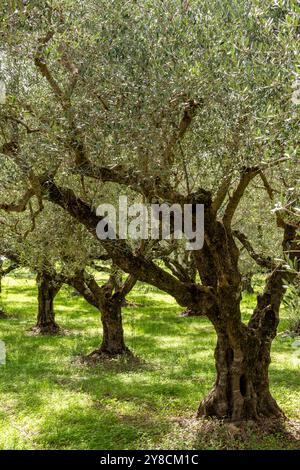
{"x": 47, "y": 290}
{"x": 113, "y": 342}
{"x": 241, "y": 390}
{"x": 247, "y": 283}
{"x": 109, "y": 300}
{"x": 242, "y": 355}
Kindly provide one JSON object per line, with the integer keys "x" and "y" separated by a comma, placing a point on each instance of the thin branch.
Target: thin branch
{"x": 221, "y": 194}
{"x": 21, "y": 205}
{"x": 186, "y": 175}
{"x": 189, "y": 112}
{"x": 22, "y": 123}
{"x": 247, "y": 175}
{"x": 128, "y": 285}
{"x": 40, "y": 63}
{"x": 263, "y": 261}
{"x": 33, "y": 216}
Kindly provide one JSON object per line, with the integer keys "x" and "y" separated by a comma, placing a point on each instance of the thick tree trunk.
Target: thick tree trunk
{"x": 110, "y": 308}
{"x": 47, "y": 290}
{"x": 3, "y": 315}
{"x": 241, "y": 391}
{"x": 109, "y": 305}
{"x": 113, "y": 343}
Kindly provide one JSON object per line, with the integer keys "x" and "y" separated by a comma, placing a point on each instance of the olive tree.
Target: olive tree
{"x": 177, "y": 102}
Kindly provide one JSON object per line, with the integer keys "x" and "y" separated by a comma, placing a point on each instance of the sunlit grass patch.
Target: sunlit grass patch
{"x": 49, "y": 401}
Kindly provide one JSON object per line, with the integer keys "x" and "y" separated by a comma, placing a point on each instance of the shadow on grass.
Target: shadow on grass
{"x": 118, "y": 404}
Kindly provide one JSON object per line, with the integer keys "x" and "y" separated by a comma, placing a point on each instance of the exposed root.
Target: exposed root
{"x": 216, "y": 405}
{"x": 190, "y": 312}
{"x": 104, "y": 355}
{"x": 47, "y": 330}
{"x": 217, "y": 434}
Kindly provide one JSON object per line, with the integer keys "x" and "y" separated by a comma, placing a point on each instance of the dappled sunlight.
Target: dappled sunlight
{"x": 48, "y": 400}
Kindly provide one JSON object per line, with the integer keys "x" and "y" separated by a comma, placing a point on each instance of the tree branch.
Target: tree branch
{"x": 120, "y": 252}
{"x": 221, "y": 194}
{"x": 263, "y": 261}
{"x": 189, "y": 112}
{"x": 247, "y": 175}
{"x": 21, "y": 205}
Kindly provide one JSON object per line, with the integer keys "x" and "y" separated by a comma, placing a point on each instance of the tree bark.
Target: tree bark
{"x": 109, "y": 304}
{"x": 247, "y": 283}
{"x": 243, "y": 352}
{"x": 113, "y": 342}
{"x": 242, "y": 356}
{"x": 47, "y": 290}
{"x": 241, "y": 391}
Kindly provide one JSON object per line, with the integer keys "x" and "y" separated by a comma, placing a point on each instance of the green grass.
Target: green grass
{"x": 48, "y": 401}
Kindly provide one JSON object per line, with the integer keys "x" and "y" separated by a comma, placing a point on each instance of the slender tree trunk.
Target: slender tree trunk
{"x": 1, "y": 275}
{"x": 47, "y": 290}
{"x": 2, "y": 312}
{"x": 247, "y": 283}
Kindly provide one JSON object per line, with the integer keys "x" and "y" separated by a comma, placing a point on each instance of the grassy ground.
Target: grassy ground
{"x": 49, "y": 401}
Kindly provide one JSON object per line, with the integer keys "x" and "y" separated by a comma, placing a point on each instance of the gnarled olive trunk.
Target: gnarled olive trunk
{"x": 47, "y": 290}
{"x": 109, "y": 304}
{"x": 113, "y": 342}
{"x": 243, "y": 355}
{"x": 241, "y": 391}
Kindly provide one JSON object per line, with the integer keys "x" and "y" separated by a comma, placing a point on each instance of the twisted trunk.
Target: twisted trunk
{"x": 47, "y": 290}
{"x": 109, "y": 304}
{"x": 242, "y": 356}
{"x": 243, "y": 352}
{"x": 241, "y": 391}
{"x": 113, "y": 342}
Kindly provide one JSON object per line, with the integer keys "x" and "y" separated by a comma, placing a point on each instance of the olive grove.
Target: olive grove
{"x": 174, "y": 102}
